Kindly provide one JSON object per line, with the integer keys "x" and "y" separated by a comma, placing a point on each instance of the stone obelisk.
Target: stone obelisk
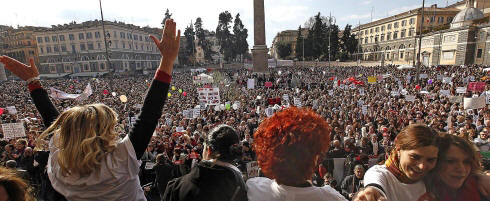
{"x": 259, "y": 51}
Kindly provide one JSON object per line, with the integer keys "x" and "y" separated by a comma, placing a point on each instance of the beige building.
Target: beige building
{"x": 449, "y": 38}
{"x": 79, "y": 49}
{"x": 20, "y": 44}
{"x": 289, "y": 37}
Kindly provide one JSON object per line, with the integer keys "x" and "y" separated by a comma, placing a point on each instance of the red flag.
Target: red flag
{"x": 1, "y": 110}
{"x": 332, "y": 78}
{"x": 105, "y": 92}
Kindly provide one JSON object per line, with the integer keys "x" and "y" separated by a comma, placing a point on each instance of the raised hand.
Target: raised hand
{"x": 21, "y": 70}
{"x": 369, "y": 194}
{"x": 168, "y": 46}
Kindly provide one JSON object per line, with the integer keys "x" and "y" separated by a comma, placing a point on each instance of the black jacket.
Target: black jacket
{"x": 351, "y": 184}
{"x": 207, "y": 182}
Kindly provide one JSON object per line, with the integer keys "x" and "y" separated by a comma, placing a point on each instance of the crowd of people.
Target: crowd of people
{"x": 374, "y": 126}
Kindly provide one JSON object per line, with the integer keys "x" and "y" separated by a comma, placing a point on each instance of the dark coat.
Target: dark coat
{"x": 207, "y": 182}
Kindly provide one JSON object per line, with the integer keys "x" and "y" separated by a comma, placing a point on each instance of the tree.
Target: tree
{"x": 299, "y": 45}
{"x": 316, "y": 37}
{"x": 349, "y": 42}
{"x": 168, "y": 15}
{"x": 188, "y": 52}
{"x": 333, "y": 31}
{"x": 283, "y": 49}
{"x": 240, "y": 44}
{"x": 224, "y": 36}
{"x": 202, "y": 41}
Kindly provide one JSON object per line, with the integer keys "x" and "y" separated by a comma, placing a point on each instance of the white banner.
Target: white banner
{"x": 11, "y": 110}
{"x": 58, "y": 94}
{"x": 196, "y": 113}
{"x": 474, "y": 103}
{"x": 461, "y": 90}
{"x": 297, "y": 102}
{"x": 188, "y": 114}
{"x": 410, "y": 98}
{"x": 252, "y": 169}
{"x": 13, "y": 130}
{"x": 445, "y": 92}
{"x": 210, "y": 96}
{"x": 251, "y": 84}
{"x": 269, "y": 111}
{"x": 447, "y": 80}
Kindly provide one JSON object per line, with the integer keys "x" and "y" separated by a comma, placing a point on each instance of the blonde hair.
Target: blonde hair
{"x": 83, "y": 135}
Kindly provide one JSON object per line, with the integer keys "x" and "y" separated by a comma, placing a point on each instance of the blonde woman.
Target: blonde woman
{"x": 86, "y": 160}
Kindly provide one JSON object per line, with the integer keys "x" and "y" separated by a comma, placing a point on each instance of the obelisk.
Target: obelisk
{"x": 259, "y": 51}
{"x": 3, "y": 77}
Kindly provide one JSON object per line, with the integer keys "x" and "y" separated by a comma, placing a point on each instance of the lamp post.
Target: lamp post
{"x": 420, "y": 41}
{"x": 108, "y": 63}
{"x": 331, "y": 20}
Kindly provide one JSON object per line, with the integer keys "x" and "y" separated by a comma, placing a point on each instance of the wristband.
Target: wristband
{"x": 32, "y": 79}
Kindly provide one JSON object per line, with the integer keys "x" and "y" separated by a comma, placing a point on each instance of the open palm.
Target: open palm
{"x": 168, "y": 46}
{"x": 21, "y": 70}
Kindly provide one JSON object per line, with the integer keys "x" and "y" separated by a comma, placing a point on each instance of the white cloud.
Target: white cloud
{"x": 357, "y": 17}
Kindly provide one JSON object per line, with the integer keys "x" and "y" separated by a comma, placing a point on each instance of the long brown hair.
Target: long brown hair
{"x": 17, "y": 189}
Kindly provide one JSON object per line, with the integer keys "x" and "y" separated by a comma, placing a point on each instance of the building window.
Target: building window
{"x": 401, "y": 55}
{"x": 383, "y": 28}
{"x": 90, "y": 46}
{"x": 395, "y": 35}
{"x": 412, "y": 21}
{"x": 395, "y": 25}
{"x": 377, "y": 29}
{"x": 39, "y": 40}
{"x": 135, "y": 37}
{"x": 89, "y": 35}
{"x": 46, "y": 39}
{"x": 85, "y": 67}
{"x": 410, "y": 32}
{"x": 62, "y": 37}
{"x": 122, "y": 35}
{"x": 42, "y": 50}
{"x": 115, "y": 34}
{"x": 71, "y": 36}
{"x": 448, "y": 55}
{"x": 403, "y": 33}
{"x": 48, "y": 49}
{"x": 124, "y": 45}
{"x": 382, "y": 38}
{"x": 389, "y": 27}
{"x": 388, "y": 36}
{"x": 404, "y": 23}
{"x": 365, "y": 40}
{"x": 73, "y": 49}
{"x": 371, "y": 30}
{"x": 141, "y": 38}
{"x": 440, "y": 20}
{"x": 102, "y": 66}
{"x": 63, "y": 48}
{"x": 376, "y": 39}
{"x": 479, "y": 53}
{"x": 98, "y": 46}
{"x": 80, "y": 36}
{"x": 97, "y": 34}
{"x": 56, "y": 48}
{"x": 82, "y": 47}
{"x": 130, "y": 46}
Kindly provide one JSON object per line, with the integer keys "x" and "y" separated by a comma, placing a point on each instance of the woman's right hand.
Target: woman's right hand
{"x": 369, "y": 194}
{"x": 21, "y": 70}
{"x": 168, "y": 46}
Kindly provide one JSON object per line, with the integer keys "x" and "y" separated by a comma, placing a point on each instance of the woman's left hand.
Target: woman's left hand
{"x": 21, "y": 70}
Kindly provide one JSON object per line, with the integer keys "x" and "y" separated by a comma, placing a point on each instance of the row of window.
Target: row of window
{"x": 88, "y": 35}
{"x": 411, "y": 21}
{"x": 90, "y": 46}
{"x": 389, "y": 36}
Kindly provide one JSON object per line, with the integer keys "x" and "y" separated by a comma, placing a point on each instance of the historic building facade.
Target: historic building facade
{"x": 80, "y": 48}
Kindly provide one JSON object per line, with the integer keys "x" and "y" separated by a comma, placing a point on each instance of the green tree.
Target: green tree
{"x": 299, "y": 45}
{"x": 202, "y": 41}
{"x": 188, "y": 52}
{"x": 283, "y": 49}
{"x": 168, "y": 15}
{"x": 316, "y": 38}
{"x": 224, "y": 36}
{"x": 333, "y": 33}
{"x": 349, "y": 42}
{"x": 240, "y": 44}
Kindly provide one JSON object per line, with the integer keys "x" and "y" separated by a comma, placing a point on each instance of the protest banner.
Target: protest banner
{"x": 13, "y": 130}
{"x": 187, "y": 114}
{"x": 372, "y": 80}
{"x": 455, "y": 99}
{"x": 440, "y": 77}
{"x": 285, "y": 97}
{"x": 395, "y": 93}
{"x": 179, "y": 129}
{"x": 410, "y": 98}
{"x": 361, "y": 92}
{"x": 196, "y": 113}
{"x": 461, "y": 90}
{"x": 269, "y": 111}
{"x": 252, "y": 169}
{"x": 11, "y": 110}
{"x": 210, "y": 96}
{"x": 447, "y": 80}
{"x": 268, "y": 84}
{"x": 423, "y": 76}
{"x": 250, "y": 84}
{"x": 364, "y": 109}
{"x": 315, "y": 104}
{"x": 476, "y": 86}
{"x": 474, "y": 103}
{"x": 444, "y": 92}
{"x": 297, "y": 102}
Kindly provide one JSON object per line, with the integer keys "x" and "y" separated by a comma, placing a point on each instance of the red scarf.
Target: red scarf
{"x": 393, "y": 165}
{"x": 467, "y": 192}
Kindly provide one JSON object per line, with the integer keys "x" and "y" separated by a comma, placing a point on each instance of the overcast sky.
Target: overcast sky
{"x": 280, "y": 14}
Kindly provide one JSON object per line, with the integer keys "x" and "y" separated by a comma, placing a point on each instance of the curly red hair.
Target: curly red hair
{"x": 288, "y": 143}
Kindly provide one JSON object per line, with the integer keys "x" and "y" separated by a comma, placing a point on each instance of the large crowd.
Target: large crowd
{"x": 358, "y": 116}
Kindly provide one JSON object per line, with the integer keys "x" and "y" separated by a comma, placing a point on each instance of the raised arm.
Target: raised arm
{"x": 30, "y": 74}
{"x": 141, "y": 132}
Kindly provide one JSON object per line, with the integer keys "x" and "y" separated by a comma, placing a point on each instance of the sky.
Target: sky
{"x": 280, "y": 15}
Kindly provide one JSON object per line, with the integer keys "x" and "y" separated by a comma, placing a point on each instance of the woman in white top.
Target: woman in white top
{"x": 87, "y": 161}
{"x": 288, "y": 146}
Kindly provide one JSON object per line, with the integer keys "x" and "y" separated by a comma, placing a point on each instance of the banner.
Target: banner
{"x": 58, "y": 94}
{"x": 476, "y": 86}
{"x": 209, "y": 96}
{"x": 423, "y": 76}
{"x": 13, "y": 130}
{"x": 456, "y": 99}
{"x": 445, "y": 92}
{"x": 297, "y": 102}
{"x": 188, "y": 114}
{"x": 269, "y": 111}
{"x": 250, "y": 84}
{"x": 285, "y": 97}
{"x": 474, "y": 103}
{"x": 461, "y": 90}
{"x": 447, "y": 80}
{"x": 268, "y": 84}
{"x": 11, "y": 110}
{"x": 364, "y": 109}
{"x": 252, "y": 169}
{"x": 196, "y": 113}
{"x": 410, "y": 98}
{"x": 372, "y": 80}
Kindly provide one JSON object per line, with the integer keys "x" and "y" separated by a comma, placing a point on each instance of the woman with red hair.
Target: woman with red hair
{"x": 289, "y": 146}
